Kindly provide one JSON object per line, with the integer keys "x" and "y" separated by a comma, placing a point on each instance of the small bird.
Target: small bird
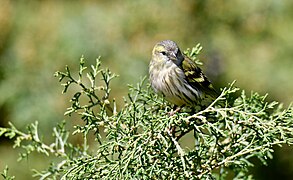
{"x": 177, "y": 77}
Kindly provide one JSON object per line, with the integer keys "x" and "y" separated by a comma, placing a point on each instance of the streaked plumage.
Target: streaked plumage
{"x": 177, "y": 77}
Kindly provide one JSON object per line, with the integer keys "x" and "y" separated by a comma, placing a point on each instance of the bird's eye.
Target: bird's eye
{"x": 164, "y": 53}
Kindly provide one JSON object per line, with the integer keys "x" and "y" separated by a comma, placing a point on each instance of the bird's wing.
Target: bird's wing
{"x": 196, "y": 78}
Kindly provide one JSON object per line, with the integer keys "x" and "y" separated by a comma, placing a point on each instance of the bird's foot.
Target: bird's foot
{"x": 172, "y": 112}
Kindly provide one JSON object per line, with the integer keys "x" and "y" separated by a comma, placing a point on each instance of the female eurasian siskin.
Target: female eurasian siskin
{"x": 177, "y": 77}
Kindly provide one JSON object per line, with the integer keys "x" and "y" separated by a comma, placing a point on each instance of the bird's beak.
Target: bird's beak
{"x": 173, "y": 56}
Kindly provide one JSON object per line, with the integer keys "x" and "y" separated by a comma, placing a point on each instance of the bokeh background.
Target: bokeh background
{"x": 247, "y": 41}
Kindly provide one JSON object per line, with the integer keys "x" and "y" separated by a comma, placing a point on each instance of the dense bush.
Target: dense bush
{"x": 142, "y": 141}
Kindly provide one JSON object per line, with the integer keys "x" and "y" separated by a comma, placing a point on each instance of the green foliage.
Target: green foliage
{"x": 142, "y": 141}
{"x": 5, "y": 175}
{"x": 193, "y": 53}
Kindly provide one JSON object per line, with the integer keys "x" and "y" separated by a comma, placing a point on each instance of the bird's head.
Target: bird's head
{"x": 167, "y": 51}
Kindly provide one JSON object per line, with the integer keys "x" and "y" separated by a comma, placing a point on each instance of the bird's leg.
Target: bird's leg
{"x": 171, "y": 113}
{"x": 175, "y": 110}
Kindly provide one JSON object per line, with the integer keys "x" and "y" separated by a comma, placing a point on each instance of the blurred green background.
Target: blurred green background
{"x": 247, "y": 41}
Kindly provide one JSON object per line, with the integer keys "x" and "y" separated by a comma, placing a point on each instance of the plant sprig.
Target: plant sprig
{"x": 141, "y": 141}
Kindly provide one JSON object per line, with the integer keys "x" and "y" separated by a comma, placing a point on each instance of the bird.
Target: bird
{"x": 177, "y": 77}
